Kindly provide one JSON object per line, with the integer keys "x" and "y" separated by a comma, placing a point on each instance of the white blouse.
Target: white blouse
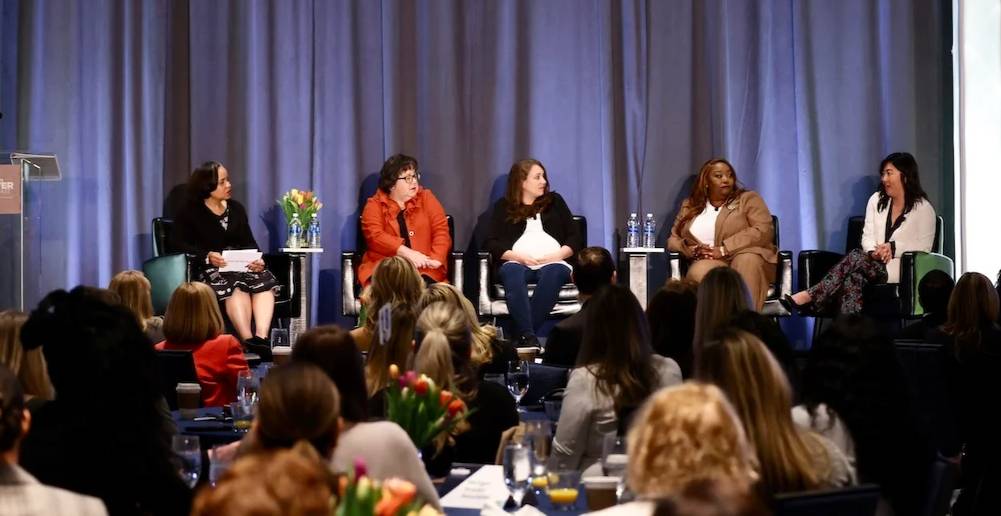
{"x": 704, "y": 225}
{"x": 536, "y": 243}
{"x": 915, "y": 233}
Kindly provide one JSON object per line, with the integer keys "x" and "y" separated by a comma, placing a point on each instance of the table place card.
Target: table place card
{"x": 481, "y": 488}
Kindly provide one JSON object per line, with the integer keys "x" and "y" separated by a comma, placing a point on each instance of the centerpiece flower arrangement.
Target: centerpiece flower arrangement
{"x": 302, "y": 202}
{"x": 422, "y": 409}
{"x": 358, "y": 495}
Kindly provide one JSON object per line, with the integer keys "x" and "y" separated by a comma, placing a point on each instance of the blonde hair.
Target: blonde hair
{"x": 394, "y": 280}
{"x": 397, "y": 349}
{"x": 136, "y": 294}
{"x": 741, "y": 365}
{"x": 684, "y": 434}
{"x": 483, "y": 335}
{"x": 193, "y": 315}
{"x": 28, "y": 365}
{"x": 444, "y": 350}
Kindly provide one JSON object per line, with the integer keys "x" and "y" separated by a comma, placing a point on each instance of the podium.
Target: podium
{"x": 16, "y": 220}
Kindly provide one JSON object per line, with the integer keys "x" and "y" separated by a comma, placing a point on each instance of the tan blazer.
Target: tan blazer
{"x": 744, "y": 225}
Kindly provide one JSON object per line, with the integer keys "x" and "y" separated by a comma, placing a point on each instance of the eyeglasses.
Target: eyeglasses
{"x": 410, "y": 179}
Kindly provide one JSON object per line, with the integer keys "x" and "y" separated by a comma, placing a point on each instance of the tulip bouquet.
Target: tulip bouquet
{"x": 358, "y": 495}
{"x": 303, "y": 202}
{"x": 424, "y": 410}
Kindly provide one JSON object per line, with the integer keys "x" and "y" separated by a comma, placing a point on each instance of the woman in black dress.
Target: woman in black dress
{"x": 214, "y": 222}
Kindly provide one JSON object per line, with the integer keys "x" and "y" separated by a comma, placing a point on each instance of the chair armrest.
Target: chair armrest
{"x": 456, "y": 269}
{"x": 675, "y": 264}
{"x": 483, "y": 305}
{"x": 349, "y": 303}
{"x": 783, "y": 276}
{"x": 913, "y": 266}
{"x": 814, "y": 265}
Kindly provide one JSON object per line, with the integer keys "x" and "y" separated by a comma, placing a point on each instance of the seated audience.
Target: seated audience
{"x": 972, "y": 356}
{"x": 136, "y": 294}
{"x": 616, "y": 371}
{"x": 671, "y": 315}
{"x": 934, "y": 290}
{"x": 398, "y": 350}
{"x": 772, "y": 336}
{"x": 683, "y": 437}
{"x": 104, "y": 433}
{"x": 273, "y": 483}
{"x": 21, "y": 493}
{"x": 491, "y": 353}
{"x": 298, "y": 403}
{"x": 394, "y": 280}
{"x": 28, "y": 365}
{"x": 853, "y": 381}
{"x": 384, "y": 447}
{"x": 194, "y": 323}
{"x": 444, "y": 354}
{"x": 790, "y": 459}
{"x": 595, "y": 269}
{"x": 721, "y": 294}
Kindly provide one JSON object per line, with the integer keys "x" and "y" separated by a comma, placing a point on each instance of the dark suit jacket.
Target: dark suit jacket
{"x": 564, "y": 340}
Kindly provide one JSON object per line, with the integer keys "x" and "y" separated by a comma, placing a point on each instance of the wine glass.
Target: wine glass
{"x": 538, "y": 435}
{"x": 517, "y": 470}
{"x": 219, "y": 462}
{"x": 517, "y": 380}
{"x": 614, "y": 460}
{"x": 246, "y": 388}
{"x": 188, "y": 452}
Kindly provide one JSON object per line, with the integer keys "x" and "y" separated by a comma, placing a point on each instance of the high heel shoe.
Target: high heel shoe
{"x": 791, "y": 305}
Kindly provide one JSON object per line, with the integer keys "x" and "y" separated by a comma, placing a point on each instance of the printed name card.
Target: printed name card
{"x": 481, "y": 488}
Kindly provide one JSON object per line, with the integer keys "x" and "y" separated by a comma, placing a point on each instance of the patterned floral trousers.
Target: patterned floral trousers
{"x": 844, "y": 283}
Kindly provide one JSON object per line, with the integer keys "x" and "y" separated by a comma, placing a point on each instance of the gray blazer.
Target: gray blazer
{"x": 23, "y": 495}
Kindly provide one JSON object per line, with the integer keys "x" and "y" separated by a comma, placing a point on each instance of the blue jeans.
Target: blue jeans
{"x": 530, "y": 314}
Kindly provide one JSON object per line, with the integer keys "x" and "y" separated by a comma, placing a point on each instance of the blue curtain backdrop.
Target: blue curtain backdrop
{"x": 622, "y": 100}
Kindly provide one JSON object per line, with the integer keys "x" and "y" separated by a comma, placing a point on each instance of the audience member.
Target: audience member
{"x": 444, "y": 353}
{"x": 790, "y": 459}
{"x": 671, "y": 315}
{"x": 136, "y": 294}
{"x": 491, "y": 353}
{"x": 21, "y": 493}
{"x": 28, "y": 365}
{"x": 721, "y": 294}
{"x": 398, "y": 349}
{"x": 394, "y": 280}
{"x": 194, "y": 323}
{"x": 771, "y": 335}
{"x": 104, "y": 434}
{"x": 853, "y": 380}
{"x": 595, "y": 269}
{"x": 384, "y": 447}
{"x": 298, "y": 402}
{"x": 934, "y": 290}
{"x": 616, "y": 371}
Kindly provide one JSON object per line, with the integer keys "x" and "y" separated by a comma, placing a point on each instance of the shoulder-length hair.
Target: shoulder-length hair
{"x": 516, "y": 211}
{"x": 136, "y": 294}
{"x": 740, "y": 364}
{"x": 393, "y": 167}
{"x": 394, "y": 280}
{"x": 908, "y": 167}
{"x": 203, "y": 181}
{"x": 332, "y": 349}
{"x": 721, "y": 294}
{"x": 483, "y": 335}
{"x": 973, "y": 307}
{"x": 397, "y": 349}
{"x": 28, "y": 364}
{"x": 616, "y": 348}
{"x": 700, "y": 189}
{"x": 299, "y": 402}
{"x": 193, "y": 315}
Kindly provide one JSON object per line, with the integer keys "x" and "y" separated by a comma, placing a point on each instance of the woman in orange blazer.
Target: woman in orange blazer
{"x": 721, "y": 224}
{"x": 406, "y": 220}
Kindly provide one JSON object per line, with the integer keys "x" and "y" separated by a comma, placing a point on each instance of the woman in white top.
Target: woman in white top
{"x": 617, "y": 370}
{"x": 532, "y": 239}
{"x": 898, "y": 219}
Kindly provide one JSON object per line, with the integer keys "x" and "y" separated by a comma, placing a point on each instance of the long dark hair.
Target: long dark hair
{"x": 333, "y": 350}
{"x": 700, "y": 190}
{"x": 203, "y": 181}
{"x": 516, "y": 211}
{"x": 973, "y": 307}
{"x": 671, "y": 315}
{"x": 616, "y": 348}
{"x": 908, "y": 167}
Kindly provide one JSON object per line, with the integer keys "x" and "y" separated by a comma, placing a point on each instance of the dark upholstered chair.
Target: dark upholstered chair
{"x": 678, "y": 266}
{"x": 165, "y": 274}
{"x": 850, "y": 501}
{"x": 350, "y": 289}
{"x": 174, "y": 366}
{"x": 492, "y": 300}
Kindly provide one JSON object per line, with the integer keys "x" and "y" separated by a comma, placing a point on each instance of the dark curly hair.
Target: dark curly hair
{"x": 393, "y": 167}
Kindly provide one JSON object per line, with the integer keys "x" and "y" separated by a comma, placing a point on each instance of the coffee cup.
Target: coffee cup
{"x": 189, "y": 396}
{"x": 281, "y": 354}
{"x": 601, "y": 492}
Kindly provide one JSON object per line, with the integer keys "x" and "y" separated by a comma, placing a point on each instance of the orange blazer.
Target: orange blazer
{"x": 426, "y": 223}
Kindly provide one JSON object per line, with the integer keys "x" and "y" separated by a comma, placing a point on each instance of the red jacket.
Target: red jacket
{"x": 217, "y": 362}
{"x": 426, "y": 223}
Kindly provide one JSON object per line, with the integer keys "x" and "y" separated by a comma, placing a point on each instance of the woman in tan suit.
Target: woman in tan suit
{"x": 721, "y": 224}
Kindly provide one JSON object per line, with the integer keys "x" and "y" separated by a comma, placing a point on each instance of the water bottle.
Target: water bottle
{"x": 294, "y": 233}
{"x": 633, "y": 231}
{"x": 649, "y": 231}
{"x": 313, "y": 232}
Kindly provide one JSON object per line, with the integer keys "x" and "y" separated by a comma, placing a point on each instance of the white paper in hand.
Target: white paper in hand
{"x": 385, "y": 324}
{"x": 238, "y": 260}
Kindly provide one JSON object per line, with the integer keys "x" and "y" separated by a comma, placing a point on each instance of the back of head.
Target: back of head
{"x": 27, "y": 364}
{"x": 444, "y": 351}
{"x": 332, "y": 349}
{"x": 710, "y": 497}
{"x": 135, "y": 291}
{"x": 595, "y": 268}
{"x": 11, "y": 410}
{"x": 685, "y": 434}
{"x": 671, "y": 315}
{"x": 721, "y": 294}
{"x": 396, "y": 350}
{"x": 193, "y": 315}
{"x": 299, "y": 402}
{"x": 394, "y": 280}
{"x": 934, "y": 290}
{"x": 772, "y": 336}
{"x": 482, "y": 335}
{"x": 973, "y": 307}
{"x": 272, "y": 483}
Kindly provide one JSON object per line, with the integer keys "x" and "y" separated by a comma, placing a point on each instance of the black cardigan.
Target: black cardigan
{"x": 556, "y": 220}
{"x": 197, "y": 231}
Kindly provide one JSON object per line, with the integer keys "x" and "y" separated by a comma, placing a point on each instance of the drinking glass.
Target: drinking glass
{"x": 614, "y": 460}
{"x": 517, "y": 469}
{"x": 218, "y": 463}
{"x": 538, "y": 436}
{"x": 279, "y": 337}
{"x": 563, "y": 489}
{"x": 517, "y": 380}
{"x": 243, "y": 415}
{"x": 188, "y": 455}
{"x": 246, "y": 388}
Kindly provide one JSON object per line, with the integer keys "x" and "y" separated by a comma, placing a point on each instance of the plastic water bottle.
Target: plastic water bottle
{"x": 633, "y": 231}
{"x": 294, "y": 233}
{"x": 313, "y": 232}
{"x": 649, "y": 231}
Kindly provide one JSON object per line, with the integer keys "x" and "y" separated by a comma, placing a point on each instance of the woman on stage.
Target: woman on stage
{"x": 214, "y": 222}
{"x": 898, "y": 219}
{"x": 723, "y": 225}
